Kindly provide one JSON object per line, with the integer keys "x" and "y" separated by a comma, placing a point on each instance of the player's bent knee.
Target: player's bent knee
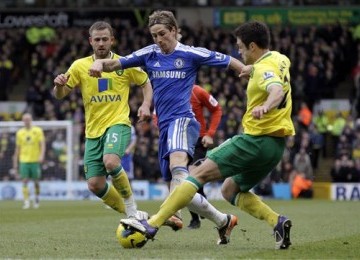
{"x": 110, "y": 165}
{"x": 95, "y": 186}
{"x": 111, "y": 162}
{"x": 229, "y": 189}
{"x": 227, "y": 195}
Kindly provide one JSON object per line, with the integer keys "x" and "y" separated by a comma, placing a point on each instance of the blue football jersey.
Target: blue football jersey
{"x": 173, "y": 75}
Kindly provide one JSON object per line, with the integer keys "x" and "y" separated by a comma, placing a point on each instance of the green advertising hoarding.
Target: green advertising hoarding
{"x": 230, "y": 17}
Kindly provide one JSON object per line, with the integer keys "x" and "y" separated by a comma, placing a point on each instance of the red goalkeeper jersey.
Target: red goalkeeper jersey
{"x": 200, "y": 98}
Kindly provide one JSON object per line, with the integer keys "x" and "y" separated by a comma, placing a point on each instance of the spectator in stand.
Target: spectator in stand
{"x": 337, "y": 129}
{"x": 302, "y": 141}
{"x": 317, "y": 144}
{"x": 304, "y": 116}
{"x": 313, "y": 80}
{"x": 349, "y": 132}
{"x": 355, "y": 154}
{"x": 298, "y": 94}
{"x": 336, "y": 171}
{"x": 343, "y": 147}
{"x": 321, "y": 122}
{"x": 301, "y": 187}
{"x": 302, "y": 163}
{"x": 344, "y": 170}
{"x": 287, "y": 170}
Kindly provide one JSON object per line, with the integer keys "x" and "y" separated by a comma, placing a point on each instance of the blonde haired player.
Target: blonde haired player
{"x": 108, "y": 126}
{"x": 28, "y": 156}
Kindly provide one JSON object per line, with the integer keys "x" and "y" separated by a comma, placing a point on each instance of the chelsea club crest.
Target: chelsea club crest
{"x": 179, "y": 63}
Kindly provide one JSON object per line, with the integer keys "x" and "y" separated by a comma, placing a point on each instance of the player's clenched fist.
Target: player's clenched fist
{"x": 96, "y": 69}
{"x": 61, "y": 80}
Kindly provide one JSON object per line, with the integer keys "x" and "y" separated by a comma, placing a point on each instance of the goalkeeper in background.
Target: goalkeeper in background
{"x": 28, "y": 156}
{"x": 108, "y": 126}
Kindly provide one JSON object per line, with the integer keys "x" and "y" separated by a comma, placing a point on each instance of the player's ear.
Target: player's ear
{"x": 252, "y": 46}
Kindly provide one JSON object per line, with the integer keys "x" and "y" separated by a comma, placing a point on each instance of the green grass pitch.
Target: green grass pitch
{"x": 86, "y": 230}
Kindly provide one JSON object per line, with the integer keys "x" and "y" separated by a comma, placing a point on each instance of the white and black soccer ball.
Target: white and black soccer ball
{"x": 128, "y": 237}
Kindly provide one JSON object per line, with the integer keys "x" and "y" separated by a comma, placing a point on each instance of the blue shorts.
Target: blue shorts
{"x": 128, "y": 165}
{"x": 180, "y": 135}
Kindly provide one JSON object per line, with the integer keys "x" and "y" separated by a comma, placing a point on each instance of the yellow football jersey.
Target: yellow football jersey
{"x": 272, "y": 68}
{"x": 105, "y": 99}
{"x": 29, "y": 142}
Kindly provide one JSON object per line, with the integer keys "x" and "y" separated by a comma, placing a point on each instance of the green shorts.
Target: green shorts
{"x": 114, "y": 141}
{"x": 30, "y": 171}
{"x": 248, "y": 159}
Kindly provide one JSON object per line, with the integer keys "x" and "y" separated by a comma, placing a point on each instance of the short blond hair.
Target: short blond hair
{"x": 101, "y": 25}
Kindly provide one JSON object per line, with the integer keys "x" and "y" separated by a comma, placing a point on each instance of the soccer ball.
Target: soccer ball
{"x": 128, "y": 237}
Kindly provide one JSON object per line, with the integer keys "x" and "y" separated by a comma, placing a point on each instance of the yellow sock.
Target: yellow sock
{"x": 25, "y": 191}
{"x": 178, "y": 198}
{"x": 252, "y": 204}
{"x": 122, "y": 184}
{"x": 112, "y": 199}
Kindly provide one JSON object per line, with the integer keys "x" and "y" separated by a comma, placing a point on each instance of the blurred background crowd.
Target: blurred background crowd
{"x": 325, "y": 65}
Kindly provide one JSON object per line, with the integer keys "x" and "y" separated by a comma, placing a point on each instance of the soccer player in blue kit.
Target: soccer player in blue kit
{"x": 172, "y": 68}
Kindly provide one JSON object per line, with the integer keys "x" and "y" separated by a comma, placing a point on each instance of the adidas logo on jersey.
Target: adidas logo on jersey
{"x": 157, "y": 64}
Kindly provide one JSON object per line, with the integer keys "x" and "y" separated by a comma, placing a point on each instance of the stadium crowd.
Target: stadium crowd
{"x": 322, "y": 58}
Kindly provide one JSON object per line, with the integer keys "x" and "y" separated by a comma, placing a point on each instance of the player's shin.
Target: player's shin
{"x": 179, "y": 174}
{"x": 26, "y": 193}
{"x": 122, "y": 185}
{"x": 178, "y": 199}
{"x": 202, "y": 207}
{"x": 252, "y": 204}
{"x": 112, "y": 198}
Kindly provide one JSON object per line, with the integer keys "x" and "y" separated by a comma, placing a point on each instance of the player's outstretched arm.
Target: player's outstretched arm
{"x": 236, "y": 65}
{"x": 241, "y": 68}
